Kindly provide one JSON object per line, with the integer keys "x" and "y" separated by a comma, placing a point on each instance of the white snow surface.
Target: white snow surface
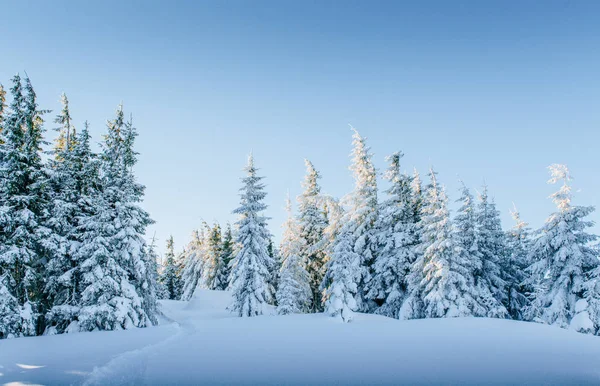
{"x": 200, "y": 342}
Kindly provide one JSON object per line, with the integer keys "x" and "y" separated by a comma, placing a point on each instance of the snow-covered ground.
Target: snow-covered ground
{"x": 201, "y": 342}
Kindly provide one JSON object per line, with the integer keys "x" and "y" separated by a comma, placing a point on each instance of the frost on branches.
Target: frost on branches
{"x": 396, "y": 235}
{"x": 250, "y": 276}
{"x": 294, "y": 293}
{"x": 565, "y": 267}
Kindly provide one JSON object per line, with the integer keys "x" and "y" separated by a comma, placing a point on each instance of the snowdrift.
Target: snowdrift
{"x": 200, "y": 342}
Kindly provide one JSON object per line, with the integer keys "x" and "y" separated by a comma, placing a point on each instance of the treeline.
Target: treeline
{"x": 72, "y": 252}
{"x": 401, "y": 254}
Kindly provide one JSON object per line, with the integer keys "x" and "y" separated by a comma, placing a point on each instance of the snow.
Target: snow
{"x": 201, "y": 342}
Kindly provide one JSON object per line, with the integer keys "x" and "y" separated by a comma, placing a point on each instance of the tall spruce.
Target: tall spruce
{"x": 23, "y": 213}
{"x": 563, "y": 261}
{"x": 515, "y": 267}
{"x": 312, "y": 223}
{"x": 491, "y": 243}
{"x": 362, "y": 217}
{"x": 116, "y": 290}
{"x": 250, "y": 276}
{"x": 396, "y": 232}
{"x": 294, "y": 290}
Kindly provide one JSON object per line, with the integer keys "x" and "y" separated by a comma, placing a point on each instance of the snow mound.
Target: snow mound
{"x": 208, "y": 345}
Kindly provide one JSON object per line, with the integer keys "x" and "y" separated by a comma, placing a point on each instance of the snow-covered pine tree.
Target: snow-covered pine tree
{"x": 491, "y": 243}
{"x": 23, "y": 212}
{"x": 73, "y": 182}
{"x": 211, "y": 259}
{"x": 362, "y": 217}
{"x": 341, "y": 277}
{"x": 250, "y": 276}
{"x": 564, "y": 261}
{"x": 194, "y": 262}
{"x": 224, "y": 263}
{"x": 417, "y": 191}
{"x": 515, "y": 267}
{"x": 312, "y": 223}
{"x": 116, "y": 292}
{"x": 170, "y": 277}
{"x": 294, "y": 292}
{"x": 466, "y": 250}
{"x": 396, "y": 232}
{"x": 444, "y": 289}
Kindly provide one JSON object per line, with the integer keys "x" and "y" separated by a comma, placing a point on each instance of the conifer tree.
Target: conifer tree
{"x": 170, "y": 277}
{"x": 443, "y": 289}
{"x": 563, "y": 262}
{"x": 491, "y": 244}
{"x": 362, "y": 217}
{"x": 312, "y": 223}
{"x": 116, "y": 289}
{"x": 514, "y": 268}
{"x": 194, "y": 263}
{"x": 74, "y": 182}
{"x": 211, "y": 259}
{"x": 23, "y": 212}
{"x": 224, "y": 263}
{"x": 294, "y": 292}
{"x": 250, "y": 276}
{"x": 341, "y": 278}
{"x": 467, "y": 252}
{"x": 396, "y": 229}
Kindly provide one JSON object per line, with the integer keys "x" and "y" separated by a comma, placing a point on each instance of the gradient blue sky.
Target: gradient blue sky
{"x": 484, "y": 90}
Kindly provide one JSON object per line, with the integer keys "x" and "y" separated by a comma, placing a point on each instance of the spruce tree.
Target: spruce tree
{"x": 514, "y": 268}
{"x": 491, "y": 243}
{"x": 194, "y": 263}
{"x": 23, "y": 212}
{"x": 396, "y": 232}
{"x": 211, "y": 259}
{"x": 294, "y": 291}
{"x": 170, "y": 277}
{"x": 564, "y": 266}
{"x": 250, "y": 276}
{"x": 341, "y": 277}
{"x": 443, "y": 289}
{"x": 312, "y": 223}
{"x": 467, "y": 252}
{"x": 117, "y": 291}
{"x": 224, "y": 263}
{"x": 362, "y": 217}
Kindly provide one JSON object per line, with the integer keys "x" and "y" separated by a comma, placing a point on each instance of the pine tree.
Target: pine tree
{"x": 396, "y": 229}
{"x": 170, "y": 277}
{"x": 224, "y": 263}
{"x": 250, "y": 276}
{"x": 294, "y": 291}
{"x": 194, "y": 263}
{"x": 362, "y": 217}
{"x": 514, "y": 268}
{"x": 2, "y": 109}
{"x": 74, "y": 182}
{"x": 466, "y": 251}
{"x": 563, "y": 261}
{"x": 211, "y": 259}
{"x": 117, "y": 292}
{"x": 23, "y": 212}
{"x": 341, "y": 277}
{"x": 491, "y": 243}
{"x": 312, "y": 223}
{"x": 444, "y": 289}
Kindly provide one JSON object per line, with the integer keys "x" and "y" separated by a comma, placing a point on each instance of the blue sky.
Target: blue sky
{"x": 490, "y": 91}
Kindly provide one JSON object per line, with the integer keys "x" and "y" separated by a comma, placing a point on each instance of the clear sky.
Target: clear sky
{"x": 482, "y": 90}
